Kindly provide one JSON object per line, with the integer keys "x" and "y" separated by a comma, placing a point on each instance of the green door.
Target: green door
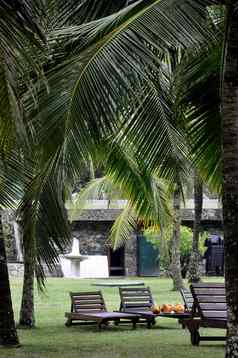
{"x": 148, "y": 258}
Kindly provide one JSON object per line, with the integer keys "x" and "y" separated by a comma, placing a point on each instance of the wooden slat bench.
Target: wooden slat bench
{"x": 89, "y": 307}
{"x": 209, "y": 310}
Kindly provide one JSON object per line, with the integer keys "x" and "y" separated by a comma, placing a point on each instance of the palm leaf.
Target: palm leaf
{"x": 123, "y": 228}
{"x": 19, "y": 31}
{"x": 93, "y": 190}
{"x": 42, "y": 207}
{"x": 110, "y": 58}
{"x": 199, "y": 89}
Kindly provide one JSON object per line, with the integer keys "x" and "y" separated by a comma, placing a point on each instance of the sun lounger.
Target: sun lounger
{"x": 89, "y": 307}
{"x": 209, "y": 310}
{"x": 139, "y": 300}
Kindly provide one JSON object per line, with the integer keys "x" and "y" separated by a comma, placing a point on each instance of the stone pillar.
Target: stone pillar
{"x": 131, "y": 256}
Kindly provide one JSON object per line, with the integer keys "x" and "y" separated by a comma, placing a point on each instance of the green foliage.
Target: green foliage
{"x": 155, "y": 238}
{"x": 164, "y": 243}
{"x": 187, "y": 240}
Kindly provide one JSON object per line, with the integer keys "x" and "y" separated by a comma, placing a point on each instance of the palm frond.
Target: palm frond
{"x": 109, "y": 58}
{"x": 145, "y": 192}
{"x": 200, "y": 91}
{"x": 19, "y": 31}
{"x": 123, "y": 228}
{"x": 12, "y": 126}
{"x": 14, "y": 175}
{"x": 82, "y": 11}
{"x": 95, "y": 189}
{"x": 46, "y": 216}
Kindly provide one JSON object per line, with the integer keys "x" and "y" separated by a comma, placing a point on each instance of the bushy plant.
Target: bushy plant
{"x": 186, "y": 246}
{"x": 163, "y": 241}
{"x": 187, "y": 241}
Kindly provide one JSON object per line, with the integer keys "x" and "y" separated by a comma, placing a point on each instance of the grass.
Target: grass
{"x": 52, "y": 339}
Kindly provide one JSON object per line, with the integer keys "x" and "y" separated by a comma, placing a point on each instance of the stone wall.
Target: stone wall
{"x": 93, "y": 237}
{"x": 17, "y": 270}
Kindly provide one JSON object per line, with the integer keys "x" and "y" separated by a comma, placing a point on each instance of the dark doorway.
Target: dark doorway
{"x": 117, "y": 262}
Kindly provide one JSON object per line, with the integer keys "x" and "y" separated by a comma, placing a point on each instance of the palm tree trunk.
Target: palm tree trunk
{"x": 27, "y": 316}
{"x": 8, "y": 333}
{"x": 230, "y": 177}
{"x": 175, "y": 249}
{"x": 194, "y": 272}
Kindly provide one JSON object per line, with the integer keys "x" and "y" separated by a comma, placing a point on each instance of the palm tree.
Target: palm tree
{"x": 229, "y": 107}
{"x": 198, "y": 91}
{"x": 230, "y": 176}
{"x": 101, "y": 60}
{"x": 175, "y": 266}
{"x": 8, "y": 333}
{"x": 52, "y": 159}
{"x": 19, "y": 30}
{"x": 195, "y": 258}
{"x": 38, "y": 243}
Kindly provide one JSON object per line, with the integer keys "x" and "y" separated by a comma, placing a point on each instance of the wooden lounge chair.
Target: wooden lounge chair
{"x": 209, "y": 310}
{"x": 89, "y": 307}
{"x": 138, "y": 300}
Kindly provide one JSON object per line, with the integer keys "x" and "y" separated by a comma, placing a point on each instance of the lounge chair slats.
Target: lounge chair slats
{"x": 138, "y": 300}
{"x": 187, "y": 299}
{"x": 215, "y": 299}
{"x": 212, "y": 285}
{"x": 210, "y": 291}
{"x": 138, "y": 304}
{"x": 89, "y": 307}
{"x": 209, "y": 310}
{"x": 213, "y": 306}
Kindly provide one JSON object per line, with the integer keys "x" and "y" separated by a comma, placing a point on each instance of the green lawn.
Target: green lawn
{"x": 52, "y": 338}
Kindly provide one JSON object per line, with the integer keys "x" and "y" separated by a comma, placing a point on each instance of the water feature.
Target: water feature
{"x": 75, "y": 265}
{"x": 70, "y": 263}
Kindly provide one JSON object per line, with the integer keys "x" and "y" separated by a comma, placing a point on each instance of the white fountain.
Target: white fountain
{"x": 75, "y": 265}
{"x": 71, "y": 262}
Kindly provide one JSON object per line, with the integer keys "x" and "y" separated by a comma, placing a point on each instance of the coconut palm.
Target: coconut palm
{"x": 38, "y": 243}
{"x": 34, "y": 213}
{"x": 195, "y": 257}
{"x": 18, "y": 30}
{"x": 115, "y": 56}
{"x": 107, "y": 67}
{"x": 199, "y": 92}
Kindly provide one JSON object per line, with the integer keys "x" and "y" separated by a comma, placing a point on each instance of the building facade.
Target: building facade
{"x": 92, "y": 228}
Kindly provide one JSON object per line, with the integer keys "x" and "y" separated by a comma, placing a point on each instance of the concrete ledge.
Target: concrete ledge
{"x": 17, "y": 270}
{"x": 112, "y": 214}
